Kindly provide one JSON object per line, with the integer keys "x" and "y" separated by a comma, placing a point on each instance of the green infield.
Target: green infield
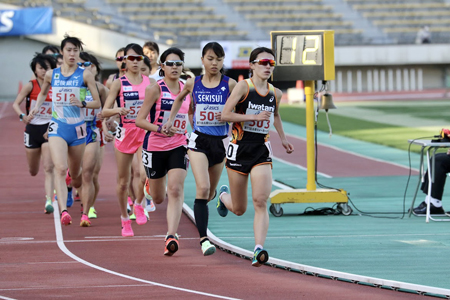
{"x": 390, "y": 123}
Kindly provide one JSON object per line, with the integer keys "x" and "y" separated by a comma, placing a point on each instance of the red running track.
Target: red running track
{"x": 32, "y": 266}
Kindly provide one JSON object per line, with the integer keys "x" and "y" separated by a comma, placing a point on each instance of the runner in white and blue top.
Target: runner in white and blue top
{"x": 67, "y": 127}
{"x": 206, "y": 147}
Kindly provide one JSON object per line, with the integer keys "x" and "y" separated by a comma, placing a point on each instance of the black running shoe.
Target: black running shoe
{"x": 421, "y": 210}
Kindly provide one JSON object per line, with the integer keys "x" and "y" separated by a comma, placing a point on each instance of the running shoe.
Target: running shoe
{"x": 85, "y": 221}
{"x": 172, "y": 245}
{"x": 66, "y": 219}
{"x": 77, "y": 196}
{"x": 147, "y": 190}
{"x": 92, "y": 213}
{"x": 260, "y": 257}
{"x": 130, "y": 201}
{"x": 221, "y": 208}
{"x": 151, "y": 207}
{"x": 128, "y": 207}
{"x": 68, "y": 178}
{"x": 146, "y": 215}
{"x": 141, "y": 219}
{"x": 48, "y": 206}
{"x": 126, "y": 228}
{"x": 132, "y": 217}
{"x": 208, "y": 248}
{"x": 69, "y": 199}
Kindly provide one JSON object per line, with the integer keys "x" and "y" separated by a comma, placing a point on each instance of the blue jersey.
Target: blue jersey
{"x": 63, "y": 88}
{"x": 208, "y": 102}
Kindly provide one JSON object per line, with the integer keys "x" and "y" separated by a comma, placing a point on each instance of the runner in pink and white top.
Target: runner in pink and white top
{"x": 164, "y": 153}
{"x": 129, "y": 93}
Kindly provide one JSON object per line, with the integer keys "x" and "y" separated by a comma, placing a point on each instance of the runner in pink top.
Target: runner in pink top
{"x": 164, "y": 153}
{"x": 129, "y": 93}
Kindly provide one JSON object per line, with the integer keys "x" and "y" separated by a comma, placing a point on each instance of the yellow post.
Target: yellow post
{"x": 310, "y": 151}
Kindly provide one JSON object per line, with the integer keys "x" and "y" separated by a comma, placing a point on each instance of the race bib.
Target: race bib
{"x": 257, "y": 126}
{"x": 232, "y": 151}
{"x": 147, "y": 159}
{"x": 61, "y": 95}
{"x": 269, "y": 147}
{"x": 26, "y": 139}
{"x": 134, "y": 106}
{"x": 81, "y": 131}
{"x": 205, "y": 115}
{"x": 53, "y": 128}
{"x": 120, "y": 133}
{"x": 180, "y": 122}
{"x": 45, "y": 111}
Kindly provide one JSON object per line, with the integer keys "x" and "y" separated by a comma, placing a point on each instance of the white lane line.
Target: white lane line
{"x": 71, "y": 287}
{"x": 299, "y": 166}
{"x": 62, "y": 247}
{"x": 6, "y": 298}
{"x": 320, "y": 271}
{"x": 281, "y": 185}
{"x": 354, "y": 153}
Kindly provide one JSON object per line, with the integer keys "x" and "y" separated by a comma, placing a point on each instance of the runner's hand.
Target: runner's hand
{"x": 108, "y": 137}
{"x": 288, "y": 146}
{"x": 166, "y": 127}
{"x": 263, "y": 116}
{"x": 122, "y": 111}
{"x": 75, "y": 101}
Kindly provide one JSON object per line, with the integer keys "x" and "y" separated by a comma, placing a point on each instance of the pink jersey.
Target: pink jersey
{"x": 129, "y": 137}
{"x": 131, "y": 97}
{"x": 159, "y": 115}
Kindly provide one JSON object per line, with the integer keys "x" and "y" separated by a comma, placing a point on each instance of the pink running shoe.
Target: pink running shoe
{"x": 68, "y": 178}
{"x": 130, "y": 201}
{"x": 66, "y": 219}
{"x": 85, "y": 221}
{"x": 141, "y": 218}
{"x": 126, "y": 228}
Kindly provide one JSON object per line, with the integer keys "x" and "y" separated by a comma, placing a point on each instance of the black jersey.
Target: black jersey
{"x": 252, "y": 104}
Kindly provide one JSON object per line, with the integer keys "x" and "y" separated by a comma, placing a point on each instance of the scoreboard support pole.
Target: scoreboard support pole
{"x": 310, "y": 194}
{"x": 299, "y": 62}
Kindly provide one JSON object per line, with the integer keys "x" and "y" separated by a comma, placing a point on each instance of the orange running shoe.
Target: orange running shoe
{"x": 172, "y": 245}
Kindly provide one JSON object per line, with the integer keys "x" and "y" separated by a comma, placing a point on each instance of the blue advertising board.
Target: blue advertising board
{"x": 26, "y": 21}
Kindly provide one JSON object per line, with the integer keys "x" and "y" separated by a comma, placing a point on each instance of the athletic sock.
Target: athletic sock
{"x": 258, "y": 246}
{"x": 204, "y": 240}
{"x": 124, "y": 219}
{"x": 201, "y": 216}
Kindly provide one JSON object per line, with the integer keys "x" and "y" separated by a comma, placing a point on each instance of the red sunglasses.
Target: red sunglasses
{"x": 134, "y": 57}
{"x": 265, "y": 62}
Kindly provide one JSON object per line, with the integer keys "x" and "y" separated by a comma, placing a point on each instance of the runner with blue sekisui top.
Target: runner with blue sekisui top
{"x": 206, "y": 148}
{"x": 67, "y": 128}
{"x": 253, "y": 109}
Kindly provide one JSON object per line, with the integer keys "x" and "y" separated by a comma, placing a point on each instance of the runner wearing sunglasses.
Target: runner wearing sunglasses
{"x": 253, "y": 109}
{"x": 129, "y": 92}
{"x": 36, "y": 146}
{"x": 206, "y": 148}
{"x": 67, "y": 129}
{"x": 164, "y": 153}
{"x": 121, "y": 65}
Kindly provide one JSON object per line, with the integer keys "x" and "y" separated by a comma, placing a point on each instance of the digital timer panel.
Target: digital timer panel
{"x": 303, "y": 55}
